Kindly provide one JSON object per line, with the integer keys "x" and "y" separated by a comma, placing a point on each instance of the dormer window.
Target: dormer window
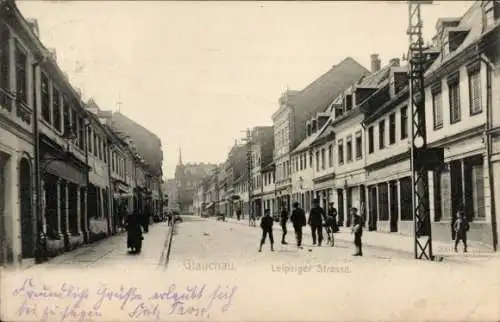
{"x": 491, "y": 12}
{"x": 348, "y": 102}
{"x": 308, "y": 128}
{"x": 313, "y": 126}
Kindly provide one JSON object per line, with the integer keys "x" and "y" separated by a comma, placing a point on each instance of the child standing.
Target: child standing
{"x": 461, "y": 228}
{"x": 266, "y": 223}
{"x": 357, "y": 230}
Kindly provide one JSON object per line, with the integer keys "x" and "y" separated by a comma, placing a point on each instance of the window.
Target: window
{"x": 381, "y": 134}
{"x": 348, "y": 102}
{"x": 21, "y": 75}
{"x": 437, "y": 108}
{"x": 301, "y": 161}
{"x": 105, "y": 148}
{"x": 392, "y": 128}
{"x": 475, "y": 89}
{"x": 311, "y": 158}
{"x": 45, "y": 98}
{"x": 454, "y": 99}
{"x": 81, "y": 131}
{"x": 96, "y": 145}
{"x": 371, "y": 145}
{"x": 4, "y": 58}
{"x": 90, "y": 145}
{"x": 56, "y": 109}
{"x": 359, "y": 145}
{"x": 305, "y": 159}
{"x": 348, "y": 147}
{"x": 323, "y": 159}
{"x": 404, "y": 122}
{"x": 330, "y": 156}
{"x": 66, "y": 116}
{"x": 317, "y": 160}
{"x": 341, "y": 151}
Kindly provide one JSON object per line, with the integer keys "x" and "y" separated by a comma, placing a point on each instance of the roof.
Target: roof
{"x": 376, "y": 79}
{"x": 311, "y": 138}
{"x": 472, "y": 20}
{"x": 318, "y": 95}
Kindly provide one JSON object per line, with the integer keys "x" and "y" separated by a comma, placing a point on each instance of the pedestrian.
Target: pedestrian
{"x": 266, "y": 223}
{"x": 315, "y": 221}
{"x": 283, "y": 221}
{"x": 461, "y": 229}
{"x": 331, "y": 223}
{"x": 298, "y": 219}
{"x": 357, "y": 230}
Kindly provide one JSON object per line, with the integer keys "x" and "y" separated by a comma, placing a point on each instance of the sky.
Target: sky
{"x": 197, "y": 74}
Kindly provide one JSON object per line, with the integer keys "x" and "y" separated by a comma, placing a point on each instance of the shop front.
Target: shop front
{"x": 64, "y": 198}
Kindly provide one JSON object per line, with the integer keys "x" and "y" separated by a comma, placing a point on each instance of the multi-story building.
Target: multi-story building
{"x": 99, "y": 190}
{"x": 20, "y": 56}
{"x": 268, "y": 188}
{"x": 149, "y": 147}
{"x": 349, "y": 138}
{"x": 170, "y": 193}
{"x": 458, "y": 95}
{"x": 303, "y": 160}
{"x": 261, "y": 149}
{"x": 296, "y": 107}
{"x": 187, "y": 177}
{"x": 490, "y": 42}
{"x": 237, "y": 180}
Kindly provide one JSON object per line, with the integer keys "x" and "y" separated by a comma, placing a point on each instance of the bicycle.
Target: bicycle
{"x": 330, "y": 231}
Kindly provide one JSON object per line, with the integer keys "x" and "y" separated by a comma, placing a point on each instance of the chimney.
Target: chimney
{"x": 375, "y": 63}
{"x": 394, "y": 62}
{"x": 33, "y": 23}
{"x": 53, "y": 53}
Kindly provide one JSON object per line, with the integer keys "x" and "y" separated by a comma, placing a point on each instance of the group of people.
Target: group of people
{"x": 318, "y": 219}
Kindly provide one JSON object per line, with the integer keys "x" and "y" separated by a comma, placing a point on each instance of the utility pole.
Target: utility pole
{"x": 248, "y": 140}
{"x": 422, "y": 158}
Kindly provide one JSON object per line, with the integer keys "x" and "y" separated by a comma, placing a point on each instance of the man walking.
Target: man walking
{"x": 266, "y": 223}
{"x": 298, "y": 220}
{"x": 357, "y": 230}
{"x": 283, "y": 221}
{"x": 316, "y": 216}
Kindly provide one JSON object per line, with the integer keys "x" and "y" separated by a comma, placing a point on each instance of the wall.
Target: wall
{"x": 346, "y": 170}
{"x": 467, "y": 121}
{"x": 400, "y": 146}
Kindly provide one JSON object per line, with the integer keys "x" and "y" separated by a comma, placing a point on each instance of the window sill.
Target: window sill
{"x": 438, "y": 126}
{"x": 476, "y": 112}
{"x": 455, "y": 121}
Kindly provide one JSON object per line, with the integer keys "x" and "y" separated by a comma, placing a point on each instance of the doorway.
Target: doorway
{"x": 26, "y": 209}
{"x": 373, "y": 208}
{"x": 393, "y": 204}
{"x": 340, "y": 203}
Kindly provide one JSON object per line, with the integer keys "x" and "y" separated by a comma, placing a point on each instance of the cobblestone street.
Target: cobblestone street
{"x": 205, "y": 251}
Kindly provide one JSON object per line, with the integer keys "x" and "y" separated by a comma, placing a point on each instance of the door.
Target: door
{"x": 340, "y": 204}
{"x": 349, "y": 205}
{"x": 25, "y": 203}
{"x": 373, "y": 208}
{"x": 393, "y": 204}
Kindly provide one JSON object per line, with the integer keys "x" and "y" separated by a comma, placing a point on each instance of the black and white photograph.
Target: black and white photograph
{"x": 249, "y": 160}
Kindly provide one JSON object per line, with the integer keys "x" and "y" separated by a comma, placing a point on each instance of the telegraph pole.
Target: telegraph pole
{"x": 422, "y": 158}
{"x": 248, "y": 140}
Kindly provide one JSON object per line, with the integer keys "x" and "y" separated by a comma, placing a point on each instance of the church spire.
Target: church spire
{"x": 180, "y": 157}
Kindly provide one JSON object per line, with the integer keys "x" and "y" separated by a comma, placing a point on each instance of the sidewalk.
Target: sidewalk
{"x": 404, "y": 244}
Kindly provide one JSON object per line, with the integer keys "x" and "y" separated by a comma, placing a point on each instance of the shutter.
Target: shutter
{"x": 478, "y": 191}
{"x": 445, "y": 194}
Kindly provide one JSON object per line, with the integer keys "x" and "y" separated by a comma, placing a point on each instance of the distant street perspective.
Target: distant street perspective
{"x": 259, "y": 161}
